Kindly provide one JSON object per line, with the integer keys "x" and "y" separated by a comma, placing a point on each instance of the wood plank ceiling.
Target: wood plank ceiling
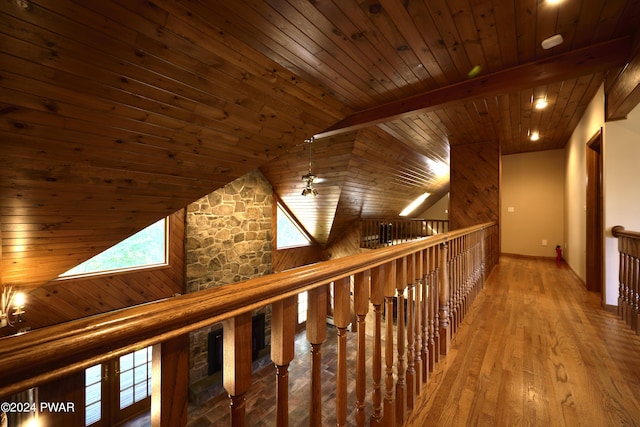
{"x": 116, "y": 113}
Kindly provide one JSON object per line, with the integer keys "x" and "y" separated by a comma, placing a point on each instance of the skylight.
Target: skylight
{"x": 413, "y": 205}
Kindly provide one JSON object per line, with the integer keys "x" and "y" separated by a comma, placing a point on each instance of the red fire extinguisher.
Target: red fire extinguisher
{"x": 558, "y": 254}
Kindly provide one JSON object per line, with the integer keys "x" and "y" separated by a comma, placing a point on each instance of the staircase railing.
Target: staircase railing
{"x": 431, "y": 281}
{"x": 629, "y": 276}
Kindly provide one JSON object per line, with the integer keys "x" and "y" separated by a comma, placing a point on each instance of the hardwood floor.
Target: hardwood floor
{"x": 536, "y": 349}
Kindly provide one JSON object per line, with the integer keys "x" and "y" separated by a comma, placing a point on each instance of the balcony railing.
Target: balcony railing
{"x": 380, "y": 232}
{"x": 433, "y": 282}
{"x": 629, "y": 276}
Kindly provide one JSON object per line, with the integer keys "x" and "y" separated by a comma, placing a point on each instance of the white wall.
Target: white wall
{"x": 439, "y": 210}
{"x": 621, "y": 190}
{"x": 575, "y": 247}
{"x": 532, "y": 206}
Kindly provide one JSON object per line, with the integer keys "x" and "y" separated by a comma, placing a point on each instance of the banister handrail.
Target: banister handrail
{"x": 51, "y": 352}
{"x": 619, "y": 231}
{"x": 628, "y": 276}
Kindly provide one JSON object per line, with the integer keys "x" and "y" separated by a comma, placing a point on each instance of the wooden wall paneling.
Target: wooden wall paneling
{"x": 284, "y": 259}
{"x": 68, "y": 392}
{"x": 63, "y": 300}
{"x": 140, "y": 108}
{"x": 475, "y": 184}
{"x": 623, "y": 93}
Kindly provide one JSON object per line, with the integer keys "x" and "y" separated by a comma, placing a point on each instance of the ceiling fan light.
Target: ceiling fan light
{"x": 553, "y": 41}
{"x": 309, "y": 190}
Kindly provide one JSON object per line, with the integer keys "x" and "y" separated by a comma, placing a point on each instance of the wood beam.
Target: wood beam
{"x": 624, "y": 93}
{"x": 571, "y": 64}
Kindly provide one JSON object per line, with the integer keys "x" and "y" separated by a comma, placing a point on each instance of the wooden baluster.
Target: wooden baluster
{"x": 316, "y": 335}
{"x": 283, "y": 331}
{"x": 627, "y": 282}
{"x": 464, "y": 280}
{"x": 417, "y": 330}
{"x": 435, "y": 296}
{"x": 484, "y": 253}
{"x": 237, "y": 364}
{"x": 475, "y": 268}
{"x": 431, "y": 296}
{"x": 363, "y": 233}
{"x": 411, "y": 372}
{"x": 401, "y": 284}
{"x": 361, "y": 307}
{"x": 451, "y": 266}
{"x": 635, "y": 280}
{"x": 377, "y": 299}
{"x": 342, "y": 318}
{"x": 627, "y": 287}
{"x": 425, "y": 317}
{"x": 389, "y": 414}
{"x": 444, "y": 296}
{"x": 620, "y": 278}
{"x": 461, "y": 281}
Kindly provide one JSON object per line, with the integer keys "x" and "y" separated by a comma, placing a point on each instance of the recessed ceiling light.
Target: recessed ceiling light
{"x": 540, "y": 103}
{"x": 534, "y": 136}
{"x": 552, "y": 41}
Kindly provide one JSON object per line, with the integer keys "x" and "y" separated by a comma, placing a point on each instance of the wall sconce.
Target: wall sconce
{"x": 11, "y": 306}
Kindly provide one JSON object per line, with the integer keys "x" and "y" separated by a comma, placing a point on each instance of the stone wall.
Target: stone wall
{"x": 228, "y": 240}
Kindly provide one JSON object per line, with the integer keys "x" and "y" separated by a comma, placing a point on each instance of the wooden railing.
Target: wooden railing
{"x": 432, "y": 282}
{"x": 629, "y": 276}
{"x": 379, "y": 232}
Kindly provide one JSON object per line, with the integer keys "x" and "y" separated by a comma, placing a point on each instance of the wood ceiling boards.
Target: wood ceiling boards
{"x": 116, "y": 113}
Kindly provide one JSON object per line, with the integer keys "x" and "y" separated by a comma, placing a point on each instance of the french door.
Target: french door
{"x": 118, "y": 389}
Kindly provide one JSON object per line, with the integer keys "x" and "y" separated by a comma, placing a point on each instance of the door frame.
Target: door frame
{"x": 594, "y": 214}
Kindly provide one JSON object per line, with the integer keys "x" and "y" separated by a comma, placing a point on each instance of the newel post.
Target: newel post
{"x": 444, "y": 297}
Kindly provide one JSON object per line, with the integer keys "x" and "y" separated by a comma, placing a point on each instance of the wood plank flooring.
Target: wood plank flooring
{"x": 536, "y": 349}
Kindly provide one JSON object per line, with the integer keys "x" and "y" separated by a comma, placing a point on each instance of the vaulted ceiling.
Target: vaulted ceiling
{"x": 116, "y": 113}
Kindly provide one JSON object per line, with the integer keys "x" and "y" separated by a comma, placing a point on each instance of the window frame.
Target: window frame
{"x": 97, "y": 273}
{"x": 281, "y": 207}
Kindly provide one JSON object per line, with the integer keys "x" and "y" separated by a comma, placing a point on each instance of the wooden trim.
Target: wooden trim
{"x": 619, "y": 231}
{"x": 571, "y": 64}
{"x": 595, "y": 215}
{"x": 624, "y": 93}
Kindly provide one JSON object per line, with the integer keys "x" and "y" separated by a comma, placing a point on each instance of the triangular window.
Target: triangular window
{"x": 289, "y": 233}
{"x": 146, "y": 248}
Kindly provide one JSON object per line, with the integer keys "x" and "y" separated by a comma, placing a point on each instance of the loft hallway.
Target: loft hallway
{"x": 535, "y": 349}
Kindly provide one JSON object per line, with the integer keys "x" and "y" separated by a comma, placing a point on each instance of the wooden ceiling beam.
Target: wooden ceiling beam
{"x": 624, "y": 94}
{"x": 588, "y": 60}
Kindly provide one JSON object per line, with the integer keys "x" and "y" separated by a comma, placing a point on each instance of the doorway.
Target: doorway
{"x": 594, "y": 220}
